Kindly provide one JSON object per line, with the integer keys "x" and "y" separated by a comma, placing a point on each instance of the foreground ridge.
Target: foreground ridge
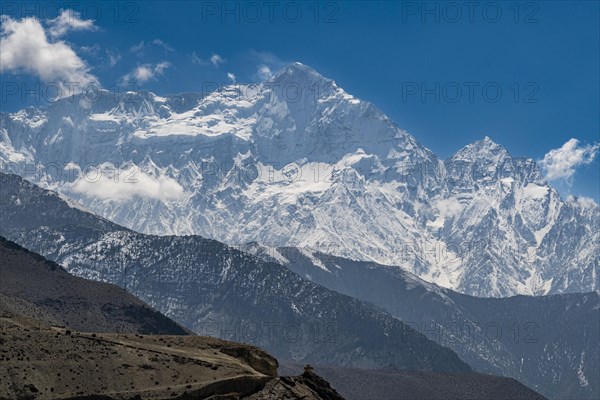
{"x": 61, "y": 363}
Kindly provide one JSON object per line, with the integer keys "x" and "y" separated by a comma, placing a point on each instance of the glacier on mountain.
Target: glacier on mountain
{"x": 297, "y": 161}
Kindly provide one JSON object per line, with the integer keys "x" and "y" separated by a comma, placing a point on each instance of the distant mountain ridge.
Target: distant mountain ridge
{"x": 550, "y": 343}
{"x": 35, "y": 292}
{"x": 297, "y": 161}
{"x": 216, "y": 290}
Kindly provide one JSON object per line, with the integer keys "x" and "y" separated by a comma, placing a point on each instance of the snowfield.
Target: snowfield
{"x": 297, "y": 161}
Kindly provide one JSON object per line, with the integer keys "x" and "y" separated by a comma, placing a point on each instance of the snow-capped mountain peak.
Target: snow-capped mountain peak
{"x": 298, "y": 73}
{"x": 297, "y": 161}
{"x": 484, "y": 149}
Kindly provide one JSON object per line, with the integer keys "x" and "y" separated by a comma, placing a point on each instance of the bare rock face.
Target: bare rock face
{"x": 308, "y": 386}
{"x": 257, "y": 360}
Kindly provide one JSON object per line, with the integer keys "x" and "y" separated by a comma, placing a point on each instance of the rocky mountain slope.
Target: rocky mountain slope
{"x": 128, "y": 365}
{"x": 31, "y": 286}
{"x": 41, "y": 362}
{"x": 216, "y": 290}
{"x": 550, "y": 343}
{"x": 297, "y": 161}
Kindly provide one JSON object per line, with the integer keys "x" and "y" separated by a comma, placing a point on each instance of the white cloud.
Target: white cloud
{"x": 138, "y": 48}
{"x": 69, "y": 20}
{"x": 449, "y": 208}
{"x": 137, "y": 184}
{"x": 217, "y": 60}
{"x": 231, "y": 76}
{"x": 113, "y": 57}
{"x": 582, "y": 202}
{"x": 266, "y": 63}
{"x": 197, "y": 60}
{"x": 27, "y": 48}
{"x": 145, "y": 72}
{"x": 561, "y": 163}
{"x": 264, "y": 57}
{"x": 91, "y": 50}
{"x": 162, "y": 44}
{"x": 108, "y": 57}
{"x": 264, "y": 72}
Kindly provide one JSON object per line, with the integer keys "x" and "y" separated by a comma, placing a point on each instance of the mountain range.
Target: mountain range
{"x": 215, "y": 290}
{"x": 298, "y": 162}
{"x": 296, "y": 217}
{"x": 119, "y": 350}
{"x": 550, "y": 343}
{"x": 296, "y": 303}
{"x": 68, "y": 337}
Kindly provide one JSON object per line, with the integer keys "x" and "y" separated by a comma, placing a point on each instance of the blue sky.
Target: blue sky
{"x": 435, "y": 71}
